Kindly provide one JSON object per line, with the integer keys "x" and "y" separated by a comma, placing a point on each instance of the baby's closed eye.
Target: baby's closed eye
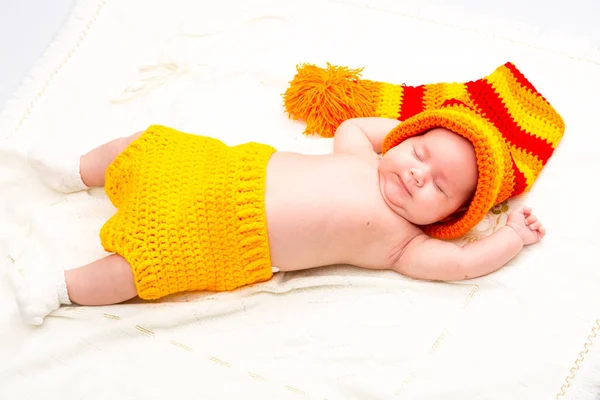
{"x": 416, "y": 154}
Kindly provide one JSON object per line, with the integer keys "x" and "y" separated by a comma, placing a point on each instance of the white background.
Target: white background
{"x": 27, "y": 27}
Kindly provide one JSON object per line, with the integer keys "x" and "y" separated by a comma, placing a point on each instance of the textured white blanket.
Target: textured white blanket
{"x": 525, "y": 332}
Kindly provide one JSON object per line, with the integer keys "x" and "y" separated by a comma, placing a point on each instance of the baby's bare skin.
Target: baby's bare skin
{"x": 324, "y": 210}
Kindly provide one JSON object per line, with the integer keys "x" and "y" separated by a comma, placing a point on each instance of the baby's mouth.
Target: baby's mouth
{"x": 403, "y": 185}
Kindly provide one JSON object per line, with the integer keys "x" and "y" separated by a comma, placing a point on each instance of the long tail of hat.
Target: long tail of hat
{"x": 325, "y": 97}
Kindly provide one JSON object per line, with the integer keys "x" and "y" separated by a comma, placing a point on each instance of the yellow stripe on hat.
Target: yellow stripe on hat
{"x": 530, "y": 112}
{"x": 528, "y": 164}
{"x": 388, "y": 105}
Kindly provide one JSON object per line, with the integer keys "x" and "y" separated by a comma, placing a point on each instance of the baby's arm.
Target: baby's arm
{"x": 431, "y": 259}
{"x": 362, "y": 135}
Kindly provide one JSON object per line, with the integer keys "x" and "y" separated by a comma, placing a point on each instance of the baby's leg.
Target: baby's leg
{"x": 93, "y": 164}
{"x": 43, "y": 287}
{"x": 67, "y": 172}
{"x": 105, "y": 281}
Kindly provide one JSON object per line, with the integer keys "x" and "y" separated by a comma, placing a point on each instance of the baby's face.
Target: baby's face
{"x": 427, "y": 178}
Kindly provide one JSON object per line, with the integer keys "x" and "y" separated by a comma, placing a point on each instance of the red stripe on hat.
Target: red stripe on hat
{"x": 492, "y": 108}
{"x": 412, "y": 101}
{"x": 453, "y": 102}
{"x": 520, "y": 181}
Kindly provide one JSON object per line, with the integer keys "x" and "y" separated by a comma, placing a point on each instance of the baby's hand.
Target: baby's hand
{"x": 526, "y": 225}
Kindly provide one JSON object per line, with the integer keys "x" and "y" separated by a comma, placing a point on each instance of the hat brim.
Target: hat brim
{"x": 491, "y": 152}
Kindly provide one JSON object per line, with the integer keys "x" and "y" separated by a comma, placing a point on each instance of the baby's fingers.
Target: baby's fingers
{"x": 536, "y": 226}
{"x": 530, "y": 220}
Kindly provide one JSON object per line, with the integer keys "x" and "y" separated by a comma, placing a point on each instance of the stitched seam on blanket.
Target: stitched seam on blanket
{"x": 412, "y": 375}
{"x": 577, "y": 364}
{"x": 58, "y": 68}
{"x": 470, "y": 30}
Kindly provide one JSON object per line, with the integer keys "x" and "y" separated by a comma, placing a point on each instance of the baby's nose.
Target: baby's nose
{"x": 417, "y": 175}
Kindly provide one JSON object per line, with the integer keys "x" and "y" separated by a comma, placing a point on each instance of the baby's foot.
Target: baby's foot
{"x": 40, "y": 288}
{"x": 59, "y": 171}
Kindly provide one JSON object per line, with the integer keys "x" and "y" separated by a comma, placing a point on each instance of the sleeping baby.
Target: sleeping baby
{"x": 196, "y": 214}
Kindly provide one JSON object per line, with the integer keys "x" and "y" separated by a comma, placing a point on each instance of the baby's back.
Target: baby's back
{"x": 327, "y": 209}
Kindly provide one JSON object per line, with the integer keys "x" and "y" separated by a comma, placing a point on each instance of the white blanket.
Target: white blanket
{"x": 525, "y": 332}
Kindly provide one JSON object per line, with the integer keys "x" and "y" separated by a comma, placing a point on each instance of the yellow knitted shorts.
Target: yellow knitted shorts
{"x": 190, "y": 213}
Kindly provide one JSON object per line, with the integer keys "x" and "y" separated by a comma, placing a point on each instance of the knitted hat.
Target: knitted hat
{"x": 512, "y": 127}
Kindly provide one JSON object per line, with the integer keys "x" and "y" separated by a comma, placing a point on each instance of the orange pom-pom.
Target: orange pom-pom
{"x": 325, "y": 97}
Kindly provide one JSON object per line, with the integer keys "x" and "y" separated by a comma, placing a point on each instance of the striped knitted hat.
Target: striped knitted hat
{"x": 512, "y": 127}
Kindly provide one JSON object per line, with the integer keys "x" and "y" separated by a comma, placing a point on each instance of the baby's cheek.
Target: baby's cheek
{"x": 424, "y": 206}
{"x": 438, "y": 208}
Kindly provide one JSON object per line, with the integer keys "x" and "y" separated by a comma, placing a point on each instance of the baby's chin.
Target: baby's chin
{"x": 424, "y": 219}
{"x": 417, "y": 220}
{"x": 420, "y": 220}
